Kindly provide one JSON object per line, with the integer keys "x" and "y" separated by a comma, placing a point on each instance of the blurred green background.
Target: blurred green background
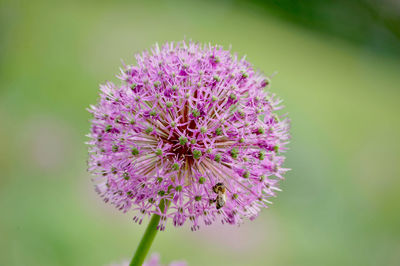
{"x": 338, "y": 65}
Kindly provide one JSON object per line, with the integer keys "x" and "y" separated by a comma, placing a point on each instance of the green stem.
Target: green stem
{"x": 147, "y": 239}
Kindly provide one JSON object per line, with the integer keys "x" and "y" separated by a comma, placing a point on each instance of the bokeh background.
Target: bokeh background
{"x": 338, "y": 65}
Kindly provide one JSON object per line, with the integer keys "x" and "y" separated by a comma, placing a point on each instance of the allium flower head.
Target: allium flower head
{"x": 191, "y": 128}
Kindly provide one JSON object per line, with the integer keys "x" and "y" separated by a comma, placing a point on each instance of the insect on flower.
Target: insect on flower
{"x": 220, "y": 200}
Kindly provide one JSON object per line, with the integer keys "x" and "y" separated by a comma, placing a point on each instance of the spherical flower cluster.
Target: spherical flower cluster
{"x": 191, "y": 134}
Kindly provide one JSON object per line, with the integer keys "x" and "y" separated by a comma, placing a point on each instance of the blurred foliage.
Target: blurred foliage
{"x": 372, "y": 23}
{"x": 339, "y": 205}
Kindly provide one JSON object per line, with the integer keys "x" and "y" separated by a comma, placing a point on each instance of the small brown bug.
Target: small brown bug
{"x": 220, "y": 200}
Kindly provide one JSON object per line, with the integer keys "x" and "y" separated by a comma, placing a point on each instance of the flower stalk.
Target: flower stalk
{"x": 148, "y": 237}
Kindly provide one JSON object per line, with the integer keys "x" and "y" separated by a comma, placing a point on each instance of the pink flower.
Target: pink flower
{"x": 191, "y": 125}
{"x": 153, "y": 261}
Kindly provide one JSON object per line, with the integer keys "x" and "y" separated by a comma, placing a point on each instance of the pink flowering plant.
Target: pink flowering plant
{"x": 154, "y": 260}
{"x": 191, "y": 135}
